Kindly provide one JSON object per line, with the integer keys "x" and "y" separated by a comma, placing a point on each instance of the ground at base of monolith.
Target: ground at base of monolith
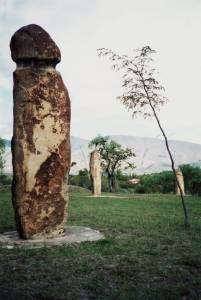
{"x": 72, "y": 234}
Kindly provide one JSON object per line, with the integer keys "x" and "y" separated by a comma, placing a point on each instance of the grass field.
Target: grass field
{"x": 147, "y": 253}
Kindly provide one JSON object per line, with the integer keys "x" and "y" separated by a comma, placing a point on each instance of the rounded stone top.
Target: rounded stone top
{"x": 32, "y": 42}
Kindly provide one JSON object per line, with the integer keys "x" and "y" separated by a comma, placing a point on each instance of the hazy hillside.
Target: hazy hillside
{"x": 151, "y": 153}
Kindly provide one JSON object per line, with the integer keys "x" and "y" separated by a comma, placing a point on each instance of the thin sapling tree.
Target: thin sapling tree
{"x": 143, "y": 94}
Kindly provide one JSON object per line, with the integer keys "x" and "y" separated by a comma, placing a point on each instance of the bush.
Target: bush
{"x": 104, "y": 183}
{"x": 123, "y": 181}
{"x": 192, "y": 179}
{"x": 149, "y": 183}
{"x": 77, "y": 189}
{"x": 5, "y": 179}
{"x": 81, "y": 179}
{"x": 162, "y": 182}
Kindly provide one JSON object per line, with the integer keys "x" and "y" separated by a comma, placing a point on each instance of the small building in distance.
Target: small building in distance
{"x": 134, "y": 181}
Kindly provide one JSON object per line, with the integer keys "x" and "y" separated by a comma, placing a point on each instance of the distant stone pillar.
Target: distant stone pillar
{"x": 41, "y": 135}
{"x": 95, "y": 172}
{"x": 180, "y": 179}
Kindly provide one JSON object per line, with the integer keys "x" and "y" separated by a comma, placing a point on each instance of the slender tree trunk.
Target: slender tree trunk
{"x": 111, "y": 183}
{"x": 186, "y": 219}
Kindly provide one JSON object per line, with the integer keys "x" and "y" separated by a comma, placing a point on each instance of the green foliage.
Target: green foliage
{"x": 122, "y": 181}
{"x": 192, "y": 179}
{"x": 149, "y": 183}
{"x": 124, "y": 177}
{"x": 112, "y": 157}
{"x": 2, "y": 151}
{"x": 81, "y": 179}
{"x": 162, "y": 182}
{"x": 104, "y": 183}
{"x": 112, "y": 153}
{"x": 5, "y": 179}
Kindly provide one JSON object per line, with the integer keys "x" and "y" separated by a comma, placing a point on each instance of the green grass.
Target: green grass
{"x": 147, "y": 253}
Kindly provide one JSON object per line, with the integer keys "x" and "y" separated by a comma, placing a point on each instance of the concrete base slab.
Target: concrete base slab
{"x": 72, "y": 234}
{"x": 105, "y": 196}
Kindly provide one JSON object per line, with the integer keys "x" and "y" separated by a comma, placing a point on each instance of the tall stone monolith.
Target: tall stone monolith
{"x": 41, "y": 135}
{"x": 95, "y": 172}
{"x": 180, "y": 179}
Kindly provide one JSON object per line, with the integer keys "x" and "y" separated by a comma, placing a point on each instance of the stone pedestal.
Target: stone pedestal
{"x": 180, "y": 179}
{"x": 72, "y": 234}
{"x": 41, "y": 135}
{"x": 95, "y": 173}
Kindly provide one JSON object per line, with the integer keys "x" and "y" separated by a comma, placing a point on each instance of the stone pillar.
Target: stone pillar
{"x": 41, "y": 135}
{"x": 180, "y": 179}
{"x": 95, "y": 172}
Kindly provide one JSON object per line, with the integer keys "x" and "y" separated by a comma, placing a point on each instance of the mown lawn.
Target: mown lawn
{"x": 147, "y": 253}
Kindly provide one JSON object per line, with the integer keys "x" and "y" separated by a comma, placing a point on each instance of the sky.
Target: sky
{"x": 80, "y": 27}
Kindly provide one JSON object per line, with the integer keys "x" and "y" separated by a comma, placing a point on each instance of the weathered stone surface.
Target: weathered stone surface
{"x": 32, "y": 43}
{"x": 180, "y": 179}
{"x": 95, "y": 172}
{"x": 41, "y": 135}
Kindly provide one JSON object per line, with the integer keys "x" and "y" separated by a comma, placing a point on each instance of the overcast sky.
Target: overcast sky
{"x": 79, "y": 27}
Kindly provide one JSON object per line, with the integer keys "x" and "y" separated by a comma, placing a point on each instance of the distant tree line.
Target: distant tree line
{"x": 192, "y": 179}
{"x": 162, "y": 182}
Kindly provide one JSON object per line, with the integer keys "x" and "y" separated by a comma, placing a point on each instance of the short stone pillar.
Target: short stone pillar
{"x": 41, "y": 135}
{"x": 180, "y": 179}
{"x": 95, "y": 172}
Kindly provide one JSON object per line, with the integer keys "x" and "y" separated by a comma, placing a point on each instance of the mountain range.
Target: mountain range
{"x": 151, "y": 154}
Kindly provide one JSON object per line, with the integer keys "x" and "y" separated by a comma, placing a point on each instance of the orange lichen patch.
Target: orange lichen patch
{"x": 35, "y": 109}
